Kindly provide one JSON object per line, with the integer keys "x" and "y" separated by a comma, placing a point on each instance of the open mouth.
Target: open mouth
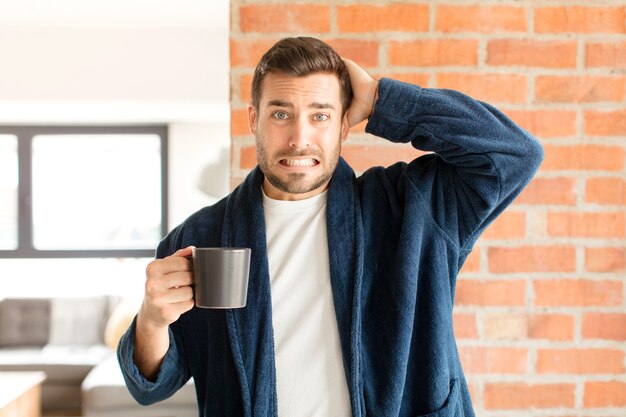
{"x": 299, "y": 162}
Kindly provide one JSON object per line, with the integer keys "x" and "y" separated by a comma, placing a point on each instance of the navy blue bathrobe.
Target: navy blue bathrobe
{"x": 397, "y": 237}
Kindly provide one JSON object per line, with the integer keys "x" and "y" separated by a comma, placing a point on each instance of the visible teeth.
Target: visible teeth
{"x": 299, "y": 162}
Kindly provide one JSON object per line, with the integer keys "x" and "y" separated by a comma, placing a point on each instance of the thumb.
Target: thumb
{"x": 184, "y": 252}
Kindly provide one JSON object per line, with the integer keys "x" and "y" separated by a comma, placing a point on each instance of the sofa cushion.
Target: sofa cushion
{"x": 78, "y": 321}
{"x": 24, "y": 322}
{"x": 61, "y": 364}
{"x": 104, "y": 393}
{"x": 120, "y": 319}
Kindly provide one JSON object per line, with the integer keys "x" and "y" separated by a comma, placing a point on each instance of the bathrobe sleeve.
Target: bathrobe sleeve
{"x": 172, "y": 374}
{"x": 478, "y": 159}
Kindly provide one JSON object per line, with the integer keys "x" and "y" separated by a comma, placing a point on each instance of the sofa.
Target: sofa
{"x": 73, "y": 341}
{"x": 105, "y": 395}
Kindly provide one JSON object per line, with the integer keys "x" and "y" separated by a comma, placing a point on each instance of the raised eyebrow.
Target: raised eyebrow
{"x": 321, "y": 106}
{"x": 279, "y": 103}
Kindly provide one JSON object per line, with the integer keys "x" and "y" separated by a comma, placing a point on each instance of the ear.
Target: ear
{"x": 345, "y": 127}
{"x": 252, "y": 118}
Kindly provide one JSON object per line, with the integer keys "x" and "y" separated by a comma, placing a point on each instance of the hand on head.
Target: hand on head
{"x": 364, "y": 93}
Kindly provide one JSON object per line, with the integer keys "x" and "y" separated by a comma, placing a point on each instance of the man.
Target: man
{"x": 352, "y": 279}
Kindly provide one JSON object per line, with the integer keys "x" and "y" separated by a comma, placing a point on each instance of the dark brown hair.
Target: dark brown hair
{"x": 299, "y": 57}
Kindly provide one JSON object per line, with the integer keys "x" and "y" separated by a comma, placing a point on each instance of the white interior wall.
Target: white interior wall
{"x": 199, "y": 167}
{"x": 120, "y": 62}
{"x": 76, "y": 63}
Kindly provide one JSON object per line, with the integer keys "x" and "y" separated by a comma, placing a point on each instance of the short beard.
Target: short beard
{"x": 295, "y": 185}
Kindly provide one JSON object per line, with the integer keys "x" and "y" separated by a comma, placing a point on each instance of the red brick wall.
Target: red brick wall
{"x": 540, "y": 305}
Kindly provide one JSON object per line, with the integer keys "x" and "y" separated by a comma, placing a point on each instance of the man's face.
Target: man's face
{"x": 299, "y": 129}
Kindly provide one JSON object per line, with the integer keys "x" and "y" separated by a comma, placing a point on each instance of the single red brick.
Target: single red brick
{"x": 580, "y": 361}
{"x": 490, "y": 292}
{"x": 583, "y": 157}
{"x": 504, "y": 326}
{"x": 532, "y": 259}
{"x": 488, "y": 360}
{"x": 605, "y": 259}
{"x": 557, "y": 327}
{"x": 605, "y": 54}
{"x": 606, "y": 190}
{"x": 378, "y": 18}
{"x": 434, "y": 52}
{"x": 517, "y": 395}
{"x": 601, "y": 394}
{"x": 605, "y": 123}
{"x": 579, "y": 19}
{"x": 592, "y": 225}
{"x": 532, "y": 53}
{"x": 480, "y": 18}
{"x": 578, "y": 293}
{"x": 608, "y": 326}
{"x": 579, "y": 89}
{"x": 295, "y": 18}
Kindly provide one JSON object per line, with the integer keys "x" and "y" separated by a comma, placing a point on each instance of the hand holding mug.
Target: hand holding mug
{"x": 168, "y": 294}
{"x": 168, "y": 289}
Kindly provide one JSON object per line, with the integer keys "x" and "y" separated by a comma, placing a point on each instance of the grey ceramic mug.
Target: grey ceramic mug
{"x": 220, "y": 277}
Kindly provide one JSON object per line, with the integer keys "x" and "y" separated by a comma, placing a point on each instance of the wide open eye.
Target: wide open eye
{"x": 280, "y": 115}
{"x": 320, "y": 117}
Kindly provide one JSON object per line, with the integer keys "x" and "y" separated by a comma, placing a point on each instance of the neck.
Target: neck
{"x": 276, "y": 194}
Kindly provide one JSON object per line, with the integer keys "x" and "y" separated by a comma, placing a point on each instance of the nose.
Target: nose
{"x": 299, "y": 137}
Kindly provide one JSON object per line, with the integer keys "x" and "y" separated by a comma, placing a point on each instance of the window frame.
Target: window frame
{"x": 25, "y": 134}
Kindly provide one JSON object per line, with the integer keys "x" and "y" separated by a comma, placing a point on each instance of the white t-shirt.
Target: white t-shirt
{"x": 310, "y": 375}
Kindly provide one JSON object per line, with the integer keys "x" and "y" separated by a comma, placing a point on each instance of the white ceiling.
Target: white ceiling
{"x": 212, "y": 14}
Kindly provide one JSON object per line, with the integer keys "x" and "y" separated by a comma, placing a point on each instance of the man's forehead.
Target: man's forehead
{"x": 319, "y": 87}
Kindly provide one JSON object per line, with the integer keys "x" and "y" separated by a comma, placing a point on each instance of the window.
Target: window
{"x": 82, "y": 192}
{"x": 8, "y": 192}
